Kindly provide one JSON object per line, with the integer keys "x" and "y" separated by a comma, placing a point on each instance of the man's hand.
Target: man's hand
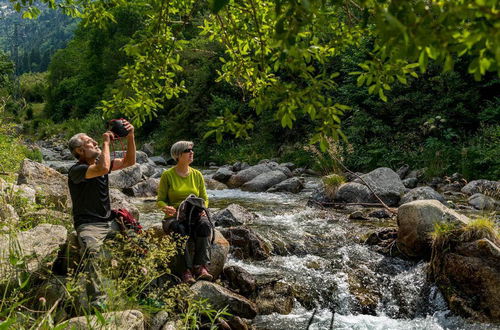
{"x": 128, "y": 126}
{"x": 169, "y": 211}
{"x": 107, "y": 137}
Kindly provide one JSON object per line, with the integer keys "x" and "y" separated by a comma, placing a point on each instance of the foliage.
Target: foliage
{"x": 332, "y": 183}
{"x": 331, "y": 160}
{"x": 198, "y": 310}
{"x": 33, "y": 86}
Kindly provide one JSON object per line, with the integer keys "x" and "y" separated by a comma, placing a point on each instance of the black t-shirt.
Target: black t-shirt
{"x": 90, "y": 197}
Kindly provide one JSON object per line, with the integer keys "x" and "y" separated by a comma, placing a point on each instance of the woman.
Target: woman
{"x": 176, "y": 184}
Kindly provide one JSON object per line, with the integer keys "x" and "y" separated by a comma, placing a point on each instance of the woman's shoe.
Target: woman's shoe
{"x": 187, "y": 277}
{"x": 203, "y": 274}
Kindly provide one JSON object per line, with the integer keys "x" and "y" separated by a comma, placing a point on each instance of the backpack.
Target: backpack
{"x": 126, "y": 221}
{"x": 189, "y": 213}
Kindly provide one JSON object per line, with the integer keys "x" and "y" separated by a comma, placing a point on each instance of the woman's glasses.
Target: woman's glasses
{"x": 187, "y": 150}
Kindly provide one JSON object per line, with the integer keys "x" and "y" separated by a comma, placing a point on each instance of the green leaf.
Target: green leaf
{"x": 217, "y": 5}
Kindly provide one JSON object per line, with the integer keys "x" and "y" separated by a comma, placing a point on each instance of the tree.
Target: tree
{"x": 277, "y": 51}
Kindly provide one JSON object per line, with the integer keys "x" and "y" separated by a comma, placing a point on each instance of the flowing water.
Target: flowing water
{"x": 344, "y": 284}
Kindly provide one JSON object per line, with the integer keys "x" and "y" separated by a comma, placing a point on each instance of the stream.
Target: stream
{"x": 341, "y": 280}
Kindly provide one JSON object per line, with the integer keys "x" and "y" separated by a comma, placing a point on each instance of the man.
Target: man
{"x": 89, "y": 188}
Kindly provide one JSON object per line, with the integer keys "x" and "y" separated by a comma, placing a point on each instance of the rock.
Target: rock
{"x": 67, "y": 155}
{"x": 410, "y": 182}
{"x": 246, "y": 175}
{"x": 119, "y": 201}
{"x": 403, "y": 171}
{"x": 220, "y": 297}
{"x": 264, "y": 181}
{"x": 275, "y": 298}
{"x": 148, "y": 149}
{"x": 240, "y": 280}
{"x": 212, "y": 184}
{"x": 219, "y": 253}
{"x": 380, "y": 214}
{"x": 126, "y": 320}
{"x": 38, "y": 247}
{"x": 422, "y": 193}
{"x": 482, "y": 186}
{"x": 158, "y": 320}
{"x": 48, "y": 154}
{"x": 417, "y": 174}
{"x": 293, "y": 185}
{"x": 357, "y": 215}
{"x": 48, "y": 183}
{"x": 435, "y": 182}
{"x": 159, "y": 160}
{"x": 245, "y": 244}
{"x": 298, "y": 171}
{"x": 470, "y": 274}
{"x": 353, "y": 192}
{"x": 148, "y": 170}
{"x": 233, "y": 215}
{"x": 26, "y": 192}
{"x": 223, "y": 174}
{"x": 60, "y": 166}
{"x": 236, "y": 323}
{"x": 173, "y": 325}
{"x": 386, "y": 184}
{"x": 352, "y": 176}
{"x": 47, "y": 216}
{"x": 147, "y": 188}
{"x": 319, "y": 197}
{"x": 455, "y": 187}
{"x": 8, "y": 214}
{"x": 125, "y": 178}
{"x": 416, "y": 221}
{"x": 236, "y": 167}
{"x": 290, "y": 166}
{"x": 483, "y": 202}
{"x": 140, "y": 156}
{"x": 311, "y": 172}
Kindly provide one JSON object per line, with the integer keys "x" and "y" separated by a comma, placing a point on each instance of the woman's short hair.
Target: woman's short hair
{"x": 178, "y": 148}
{"x": 75, "y": 142}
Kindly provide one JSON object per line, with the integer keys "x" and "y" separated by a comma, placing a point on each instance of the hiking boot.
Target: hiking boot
{"x": 187, "y": 277}
{"x": 203, "y": 274}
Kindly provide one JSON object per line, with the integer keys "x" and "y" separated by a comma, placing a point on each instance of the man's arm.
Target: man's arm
{"x": 129, "y": 159}
{"x": 101, "y": 167}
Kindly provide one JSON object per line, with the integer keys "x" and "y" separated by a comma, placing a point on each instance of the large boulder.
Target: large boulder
{"x": 125, "y": 178}
{"x": 293, "y": 185}
{"x": 416, "y": 221}
{"x": 264, "y": 181}
{"x": 49, "y": 184}
{"x": 140, "y": 156}
{"x": 483, "y": 202}
{"x": 422, "y": 193}
{"x": 353, "y": 192}
{"x": 221, "y": 297}
{"x": 410, "y": 182}
{"x": 223, "y": 174}
{"x": 146, "y": 188}
{"x": 275, "y": 297}
{"x": 60, "y": 166}
{"x": 159, "y": 160}
{"x": 212, "y": 184}
{"x": 245, "y": 244}
{"x": 481, "y": 186}
{"x": 386, "y": 184}
{"x": 240, "y": 280}
{"x": 120, "y": 201}
{"x": 36, "y": 248}
{"x": 469, "y": 272}
{"x": 233, "y": 215}
{"x": 148, "y": 170}
{"x": 125, "y": 320}
{"x": 246, "y": 175}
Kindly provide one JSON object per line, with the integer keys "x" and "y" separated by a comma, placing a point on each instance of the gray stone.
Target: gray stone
{"x": 158, "y": 320}
{"x": 403, "y": 171}
{"x": 220, "y": 297}
{"x": 245, "y": 244}
{"x": 353, "y": 192}
{"x": 416, "y": 220}
{"x": 483, "y": 202}
{"x": 357, "y": 215}
{"x": 276, "y": 297}
{"x": 246, "y": 175}
{"x": 293, "y": 185}
{"x": 8, "y": 214}
{"x": 240, "y": 280}
{"x": 148, "y": 149}
{"x": 146, "y": 188}
{"x": 236, "y": 167}
{"x": 422, "y": 193}
{"x": 451, "y": 187}
{"x": 67, "y": 155}
{"x": 48, "y": 154}
{"x": 264, "y": 181}
{"x": 482, "y": 186}
{"x": 120, "y": 201}
{"x": 148, "y": 170}
{"x": 223, "y": 174}
{"x": 290, "y": 166}
{"x": 60, "y": 165}
{"x": 233, "y": 215}
{"x": 159, "y": 160}
{"x": 410, "y": 182}
{"x": 386, "y": 184}
{"x": 125, "y": 320}
{"x": 212, "y": 184}
{"x": 140, "y": 156}
{"x": 380, "y": 214}
{"x": 125, "y": 178}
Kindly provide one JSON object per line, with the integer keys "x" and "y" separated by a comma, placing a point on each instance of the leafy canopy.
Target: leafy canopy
{"x": 278, "y": 51}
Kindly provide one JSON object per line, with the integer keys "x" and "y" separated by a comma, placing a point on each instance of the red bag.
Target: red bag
{"x": 127, "y": 220}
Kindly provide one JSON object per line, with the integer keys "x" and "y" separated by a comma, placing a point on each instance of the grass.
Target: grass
{"x": 332, "y": 183}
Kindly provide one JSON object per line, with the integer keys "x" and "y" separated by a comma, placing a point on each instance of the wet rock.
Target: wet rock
{"x": 482, "y": 202}
{"x": 233, "y": 215}
{"x": 246, "y": 175}
{"x": 416, "y": 221}
{"x": 38, "y": 247}
{"x": 146, "y": 188}
{"x": 120, "y": 201}
{"x": 353, "y": 192}
{"x": 410, "y": 182}
{"x": 125, "y": 178}
{"x": 148, "y": 149}
{"x": 48, "y": 183}
{"x": 214, "y": 185}
{"x": 264, "y": 181}
{"x": 482, "y": 186}
{"x": 275, "y": 298}
{"x": 367, "y": 300}
{"x": 240, "y": 280}
{"x": 223, "y": 174}
{"x": 159, "y": 160}
{"x": 380, "y": 237}
{"x": 129, "y": 320}
{"x": 293, "y": 185}
{"x": 357, "y": 215}
{"x": 236, "y": 323}
{"x": 470, "y": 274}
{"x": 380, "y": 214}
{"x": 220, "y": 297}
{"x": 245, "y": 244}
{"x": 421, "y": 193}
{"x": 386, "y": 184}
{"x": 403, "y": 171}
